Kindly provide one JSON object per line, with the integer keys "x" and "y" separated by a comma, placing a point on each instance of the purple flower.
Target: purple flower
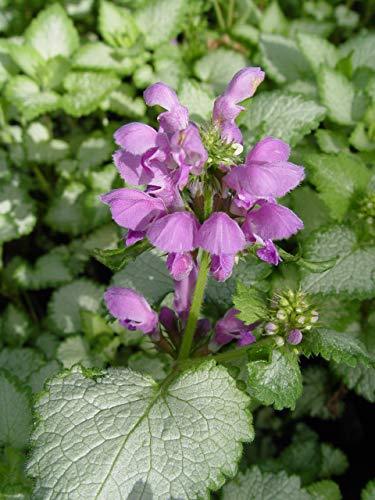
{"x": 220, "y": 234}
{"x": 177, "y": 116}
{"x": 269, "y": 253}
{"x": 133, "y": 209}
{"x": 232, "y": 328}
{"x": 133, "y": 237}
{"x": 175, "y": 232}
{"x": 131, "y": 309}
{"x": 222, "y": 266}
{"x": 168, "y": 319}
{"x": 266, "y": 173}
{"x": 271, "y": 222}
{"x": 187, "y": 149}
{"x": 242, "y": 86}
{"x": 295, "y": 337}
{"x": 180, "y": 265}
{"x": 183, "y": 293}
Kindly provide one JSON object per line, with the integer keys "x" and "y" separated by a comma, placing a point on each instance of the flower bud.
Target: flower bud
{"x": 280, "y": 314}
{"x": 279, "y": 341}
{"x": 271, "y": 328}
{"x": 295, "y": 337}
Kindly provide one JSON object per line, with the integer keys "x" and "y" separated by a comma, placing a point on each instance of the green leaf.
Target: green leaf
{"x": 67, "y": 301}
{"x": 277, "y": 381}
{"x": 29, "y": 99}
{"x": 353, "y": 274}
{"x": 16, "y": 326}
{"x": 160, "y": 20}
{"x": 368, "y": 493}
{"x": 123, "y": 104}
{"x": 117, "y": 25}
{"x": 15, "y": 415}
{"x": 282, "y": 59}
{"x": 318, "y": 51}
{"x": 21, "y": 362}
{"x": 273, "y": 19}
{"x": 154, "y": 285}
{"x": 52, "y": 33}
{"x": 198, "y": 419}
{"x": 117, "y": 258}
{"x": 198, "y": 99}
{"x": 86, "y": 91}
{"x": 75, "y": 350}
{"x": 331, "y": 142}
{"x": 337, "y": 178}
{"x": 218, "y": 67}
{"x": 316, "y": 394}
{"x": 28, "y": 59}
{"x": 38, "y": 378}
{"x": 362, "y": 50}
{"x": 14, "y": 485}
{"x": 256, "y": 485}
{"x": 342, "y": 347}
{"x": 98, "y": 56}
{"x": 361, "y": 379}
{"x": 324, "y": 490}
{"x": 41, "y": 147}
{"x": 93, "y": 151}
{"x": 156, "y": 367}
{"x": 251, "y": 303}
{"x": 310, "y": 208}
{"x": 17, "y": 211}
{"x": 334, "y": 461}
{"x": 337, "y": 94}
{"x": 275, "y": 113}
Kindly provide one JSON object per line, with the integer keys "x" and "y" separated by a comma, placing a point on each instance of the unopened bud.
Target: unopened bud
{"x": 238, "y": 148}
{"x": 270, "y": 328}
{"x": 301, "y": 320}
{"x": 314, "y": 316}
{"x": 280, "y": 314}
{"x": 295, "y": 337}
{"x": 279, "y": 341}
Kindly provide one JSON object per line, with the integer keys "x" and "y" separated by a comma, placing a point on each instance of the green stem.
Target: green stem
{"x": 219, "y": 14}
{"x": 42, "y": 181}
{"x": 196, "y": 305}
{"x": 230, "y": 12}
{"x": 224, "y": 357}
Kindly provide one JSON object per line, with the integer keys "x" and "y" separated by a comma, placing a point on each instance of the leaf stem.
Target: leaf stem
{"x": 230, "y": 13}
{"x": 196, "y": 305}
{"x": 42, "y": 181}
{"x": 219, "y": 14}
{"x": 223, "y": 357}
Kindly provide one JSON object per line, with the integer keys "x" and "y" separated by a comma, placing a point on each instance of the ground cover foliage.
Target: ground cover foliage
{"x": 89, "y": 409}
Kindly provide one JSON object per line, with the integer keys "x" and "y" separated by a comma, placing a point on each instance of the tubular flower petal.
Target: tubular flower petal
{"x": 271, "y": 222}
{"x": 180, "y": 265}
{"x": 220, "y": 234}
{"x": 133, "y": 209}
{"x": 183, "y": 293}
{"x": 136, "y": 138}
{"x": 232, "y": 328}
{"x": 269, "y": 253}
{"x": 133, "y": 310}
{"x": 222, "y": 266}
{"x": 174, "y": 232}
{"x": 177, "y": 116}
{"x": 269, "y": 150}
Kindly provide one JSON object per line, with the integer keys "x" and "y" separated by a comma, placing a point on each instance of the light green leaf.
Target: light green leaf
{"x": 282, "y": 59}
{"x": 38, "y": 378}
{"x": 154, "y": 285}
{"x": 218, "y": 67}
{"x": 98, "y": 56}
{"x": 28, "y": 59}
{"x": 273, "y": 19}
{"x": 337, "y": 94}
{"x": 353, "y": 273}
{"x": 362, "y": 50}
{"x": 132, "y": 436}
{"x": 117, "y": 25}
{"x": 15, "y": 415}
{"x": 310, "y": 208}
{"x": 334, "y": 461}
{"x": 121, "y": 103}
{"x": 368, "y": 493}
{"x": 29, "y": 99}
{"x": 17, "y": 211}
{"x": 251, "y": 303}
{"x": 160, "y": 20}
{"x": 16, "y": 326}
{"x": 198, "y": 99}
{"x": 256, "y": 485}
{"x": 86, "y": 91}
{"x": 275, "y": 113}
{"x": 21, "y": 362}
{"x": 324, "y": 490}
{"x": 67, "y": 301}
{"x": 117, "y": 258}
{"x": 337, "y": 178}
{"x": 41, "y": 148}
{"x": 361, "y": 379}
{"x": 342, "y": 347}
{"x": 278, "y": 381}
{"x": 318, "y": 51}
{"x": 331, "y": 142}
{"x": 94, "y": 150}
{"x": 74, "y": 350}
{"x": 156, "y": 366}
{"x": 52, "y": 33}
